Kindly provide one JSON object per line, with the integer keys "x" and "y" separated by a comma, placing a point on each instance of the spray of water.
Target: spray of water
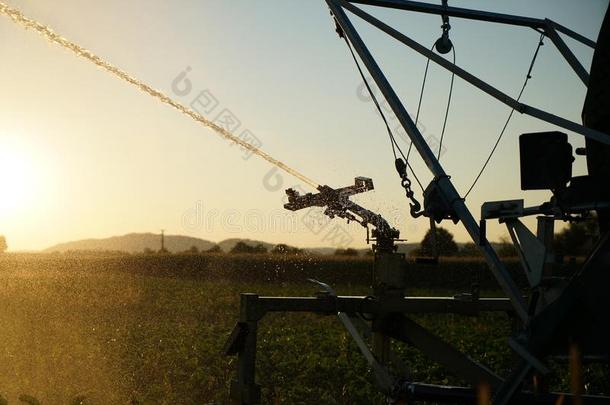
{"x": 18, "y": 17}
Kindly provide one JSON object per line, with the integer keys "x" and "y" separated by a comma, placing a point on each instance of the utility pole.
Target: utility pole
{"x": 162, "y": 241}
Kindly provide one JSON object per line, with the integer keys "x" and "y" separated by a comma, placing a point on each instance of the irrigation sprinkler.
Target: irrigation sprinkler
{"x": 555, "y": 312}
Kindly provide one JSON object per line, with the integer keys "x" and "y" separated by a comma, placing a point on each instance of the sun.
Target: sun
{"x": 17, "y": 176}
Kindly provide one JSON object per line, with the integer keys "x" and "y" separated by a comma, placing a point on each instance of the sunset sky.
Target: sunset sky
{"x": 83, "y": 154}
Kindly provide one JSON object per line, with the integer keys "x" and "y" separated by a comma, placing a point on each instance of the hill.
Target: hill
{"x": 133, "y": 243}
{"x": 138, "y": 242}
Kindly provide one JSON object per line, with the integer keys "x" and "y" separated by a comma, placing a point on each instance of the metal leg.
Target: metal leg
{"x": 243, "y": 341}
{"x": 367, "y": 333}
{"x": 511, "y": 385}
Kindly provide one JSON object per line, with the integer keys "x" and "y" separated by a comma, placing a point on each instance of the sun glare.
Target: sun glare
{"x": 17, "y": 176}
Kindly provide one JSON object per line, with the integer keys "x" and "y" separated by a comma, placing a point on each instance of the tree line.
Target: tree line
{"x": 576, "y": 239}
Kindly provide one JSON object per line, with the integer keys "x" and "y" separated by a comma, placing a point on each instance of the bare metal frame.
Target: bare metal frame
{"x": 253, "y": 307}
{"x": 338, "y": 8}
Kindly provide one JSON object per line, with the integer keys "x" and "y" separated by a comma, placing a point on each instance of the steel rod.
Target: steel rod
{"x": 475, "y": 81}
{"x": 355, "y": 304}
{"x": 566, "y": 53}
{"x": 438, "y": 350}
{"x": 464, "y": 395}
{"x": 574, "y": 35}
{"x": 477, "y": 15}
{"x": 455, "y": 12}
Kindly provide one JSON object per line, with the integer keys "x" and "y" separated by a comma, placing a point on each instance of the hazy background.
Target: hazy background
{"x": 85, "y": 155}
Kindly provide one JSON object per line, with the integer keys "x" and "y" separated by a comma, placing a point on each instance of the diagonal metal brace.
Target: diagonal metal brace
{"x": 435, "y": 348}
{"x": 384, "y": 380}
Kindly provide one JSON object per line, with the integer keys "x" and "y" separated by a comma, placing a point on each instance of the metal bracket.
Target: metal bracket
{"x": 237, "y": 340}
{"x": 530, "y": 249}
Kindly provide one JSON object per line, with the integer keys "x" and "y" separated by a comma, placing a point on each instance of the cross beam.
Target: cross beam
{"x": 535, "y": 23}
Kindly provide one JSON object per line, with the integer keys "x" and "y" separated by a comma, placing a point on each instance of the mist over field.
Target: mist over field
{"x": 150, "y": 329}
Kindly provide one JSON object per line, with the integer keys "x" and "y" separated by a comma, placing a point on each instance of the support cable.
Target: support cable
{"x": 440, "y": 145}
{"x": 421, "y": 97}
{"x": 393, "y": 142}
{"x": 510, "y": 115}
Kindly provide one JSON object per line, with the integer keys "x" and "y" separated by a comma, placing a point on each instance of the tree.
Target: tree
{"x": 192, "y": 250}
{"x": 470, "y": 250}
{"x": 442, "y": 243}
{"x": 259, "y": 249}
{"x": 506, "y": 248}
{"x": 3, "y": 245}
{"x": 214, "y": 249}
{"x": 346, "y": 252}
{"x": 576, "y": 239}
{"x": 284, "y": 249}
{"x": 148, "y": 251}
{"x": 242, "y": 247}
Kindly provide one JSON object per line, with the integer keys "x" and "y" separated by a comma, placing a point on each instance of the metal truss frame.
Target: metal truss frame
{"x": 391, "y": 310}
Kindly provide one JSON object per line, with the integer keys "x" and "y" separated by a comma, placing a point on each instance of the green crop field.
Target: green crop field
{"x": 150, "y": 329}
